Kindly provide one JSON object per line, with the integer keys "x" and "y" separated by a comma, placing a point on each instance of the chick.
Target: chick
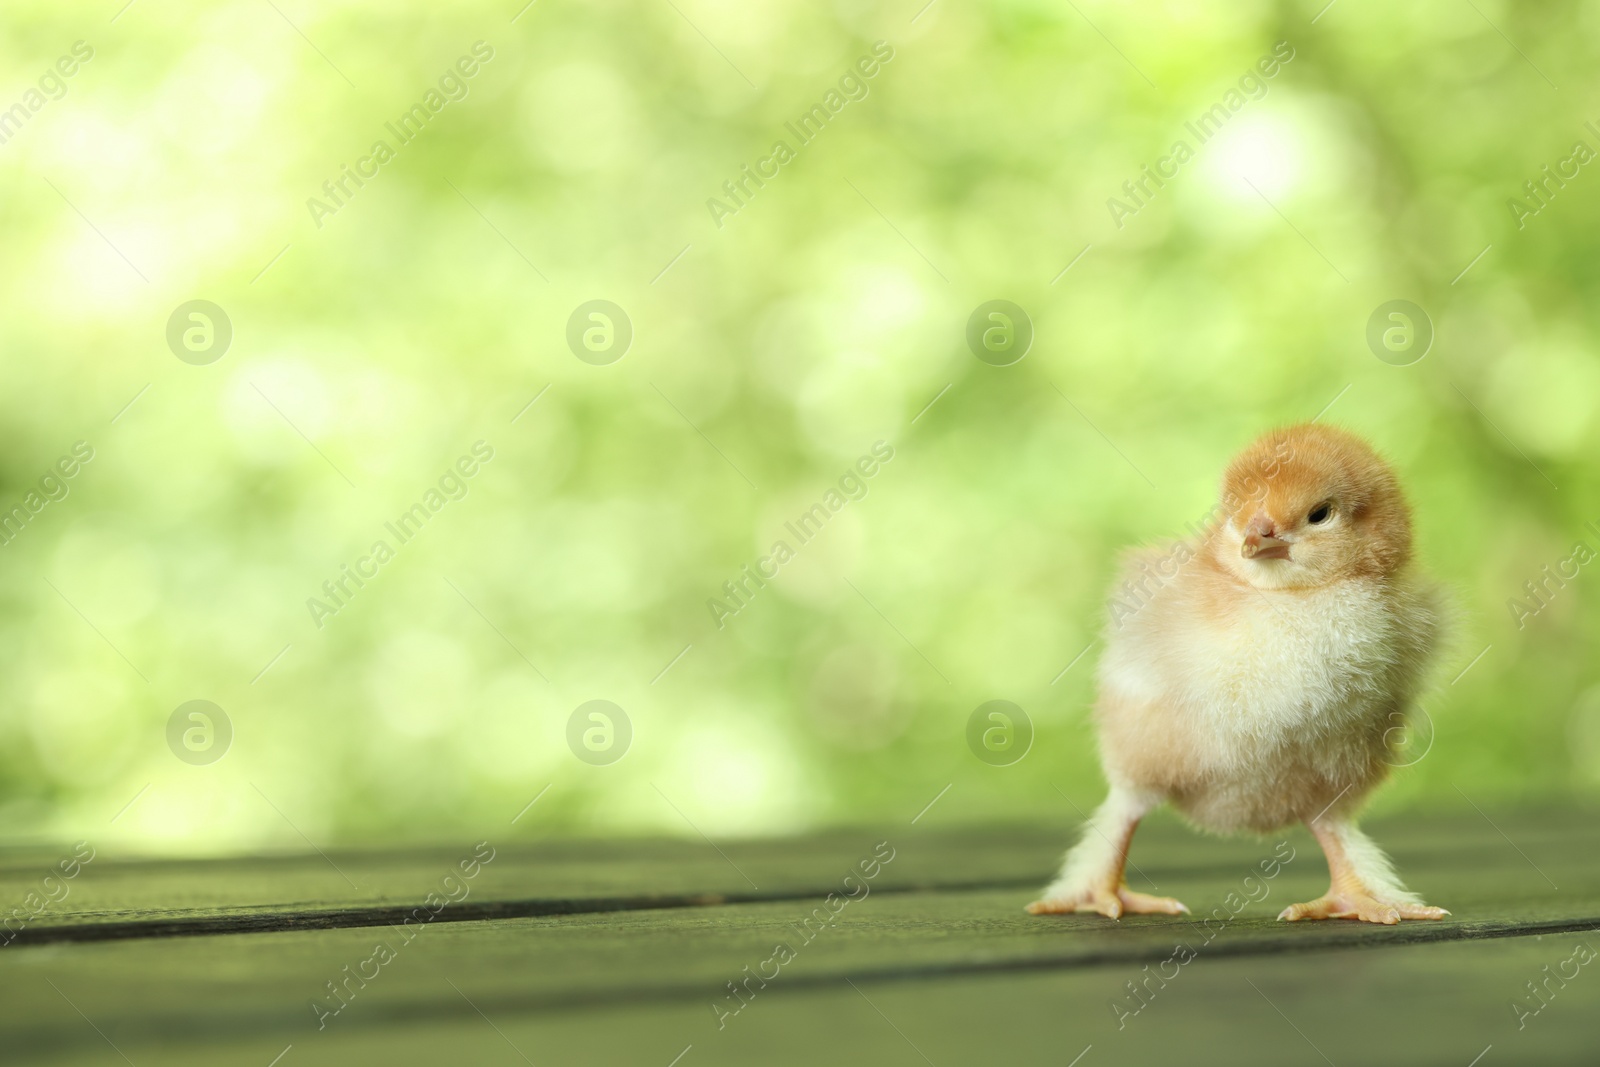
{"x": 1252, "y": 678}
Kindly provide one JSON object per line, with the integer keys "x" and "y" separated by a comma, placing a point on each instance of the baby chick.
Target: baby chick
{"x": 1252, "y": 678}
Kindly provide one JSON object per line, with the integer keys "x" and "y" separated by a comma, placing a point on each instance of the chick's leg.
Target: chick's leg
{"x": 1362, "y": 885}
{"x": 1091, "y": 878}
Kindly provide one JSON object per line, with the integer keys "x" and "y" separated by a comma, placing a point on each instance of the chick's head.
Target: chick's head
{"x": 1308, "y": 505}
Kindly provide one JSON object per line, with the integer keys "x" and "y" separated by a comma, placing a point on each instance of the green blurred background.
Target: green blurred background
{"x": 768, "y": 354}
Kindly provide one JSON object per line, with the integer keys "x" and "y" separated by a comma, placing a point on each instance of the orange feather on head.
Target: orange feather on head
{"x": 1331, "y": 503}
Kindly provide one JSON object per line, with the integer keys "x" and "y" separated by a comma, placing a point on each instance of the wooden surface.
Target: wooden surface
{"x": 615, "y": 952}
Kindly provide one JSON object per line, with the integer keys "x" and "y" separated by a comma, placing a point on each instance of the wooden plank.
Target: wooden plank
{"x": 162, "y": 996}
{"x": 116, "y": 898}
{"x": 1416, "y": 1006}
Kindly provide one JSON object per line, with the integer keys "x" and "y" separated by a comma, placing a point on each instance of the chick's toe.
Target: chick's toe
{"x": 1113, "y": 904}
{"x": 1361, "y": 906}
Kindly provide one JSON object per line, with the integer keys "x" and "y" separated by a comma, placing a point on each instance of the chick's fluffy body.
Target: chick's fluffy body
{"x": 1255, "y": 693}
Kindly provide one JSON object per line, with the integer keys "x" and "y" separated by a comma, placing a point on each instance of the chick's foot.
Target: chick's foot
{"x": 1362, "y": 906}
{"x": 1113, "y": 904}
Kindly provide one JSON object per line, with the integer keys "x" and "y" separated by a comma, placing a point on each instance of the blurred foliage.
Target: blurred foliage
{"x": 372, "y": 351}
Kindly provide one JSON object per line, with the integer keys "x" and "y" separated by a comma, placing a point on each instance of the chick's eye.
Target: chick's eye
{"x": 1320, "y": 514}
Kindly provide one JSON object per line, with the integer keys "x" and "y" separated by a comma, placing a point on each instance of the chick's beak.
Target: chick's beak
{"x": 1259, "y": 542}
